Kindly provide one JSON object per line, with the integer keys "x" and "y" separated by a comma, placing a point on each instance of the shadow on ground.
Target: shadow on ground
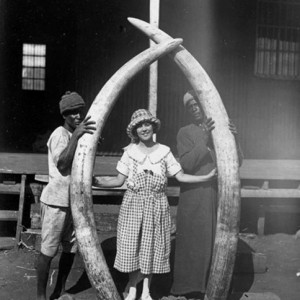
{"x": 161, "y": 283}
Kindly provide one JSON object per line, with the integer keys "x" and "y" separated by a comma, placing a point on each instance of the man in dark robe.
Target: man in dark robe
{"x": 197, "y": 208}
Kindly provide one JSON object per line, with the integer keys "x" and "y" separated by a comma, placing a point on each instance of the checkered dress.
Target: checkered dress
{"x": 143, "y": 238}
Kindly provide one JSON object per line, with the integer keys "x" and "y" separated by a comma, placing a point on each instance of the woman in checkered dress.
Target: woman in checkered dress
{"x": 143, "y": 237}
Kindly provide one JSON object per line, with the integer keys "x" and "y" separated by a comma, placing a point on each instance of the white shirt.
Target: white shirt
{"x": 148, "y": 161}
{"x": 57, "y": 191}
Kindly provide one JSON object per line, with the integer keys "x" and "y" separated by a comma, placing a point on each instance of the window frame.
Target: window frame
{"x": 277, "y": 49}
{"x": 34, "y": 66}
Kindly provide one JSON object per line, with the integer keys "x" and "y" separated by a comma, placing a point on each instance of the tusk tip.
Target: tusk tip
{"x": 131, "y": 19}
{"x": 134, "y": 20}
{"x": 178, "y": 41}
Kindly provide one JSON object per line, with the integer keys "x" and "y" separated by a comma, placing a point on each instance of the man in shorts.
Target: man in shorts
{"x": 56, "y": 218}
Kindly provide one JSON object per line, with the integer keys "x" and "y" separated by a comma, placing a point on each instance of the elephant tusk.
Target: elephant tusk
{"x": 82, "y": 169}
{"x": 226, "y": 238}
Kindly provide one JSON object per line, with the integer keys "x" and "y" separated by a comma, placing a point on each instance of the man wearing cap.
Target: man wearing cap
{"x": 56, "y": 219}
{"x": 197, "y": 208}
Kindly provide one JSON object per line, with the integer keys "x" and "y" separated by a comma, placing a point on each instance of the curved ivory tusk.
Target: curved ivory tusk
{"x": 81, "y": 187}
{"x": 227, "y": 163}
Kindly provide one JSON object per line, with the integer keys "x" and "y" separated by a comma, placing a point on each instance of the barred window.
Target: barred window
{"x": 34, "y": 67}
{"x": 278, "y": 39}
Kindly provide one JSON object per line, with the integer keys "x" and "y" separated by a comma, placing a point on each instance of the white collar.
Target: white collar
{"x": 157, "y": 155}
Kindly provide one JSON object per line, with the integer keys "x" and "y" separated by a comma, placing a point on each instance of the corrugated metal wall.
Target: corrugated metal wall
{"x": 221, "y": 36}
{"x": 90, "y": 40}
{"x": 106, "y": 41}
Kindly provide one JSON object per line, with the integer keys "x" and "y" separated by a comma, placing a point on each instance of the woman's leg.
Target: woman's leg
{"x": 146, "y": 287}
{"x": 130, "y": 290}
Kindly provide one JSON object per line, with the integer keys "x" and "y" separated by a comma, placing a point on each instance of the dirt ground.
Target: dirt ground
{"x": 282, "y": 251}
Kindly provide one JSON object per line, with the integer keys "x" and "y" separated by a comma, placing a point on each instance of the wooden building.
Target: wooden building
{"x": 249, "y": 48}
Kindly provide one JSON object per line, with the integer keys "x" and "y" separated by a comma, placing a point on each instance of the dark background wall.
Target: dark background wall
{"x": 87, "y": 41}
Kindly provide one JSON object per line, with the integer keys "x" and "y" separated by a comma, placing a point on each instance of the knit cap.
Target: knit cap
{"x": 70, "y": 101}
{"x": 189, "y": 95}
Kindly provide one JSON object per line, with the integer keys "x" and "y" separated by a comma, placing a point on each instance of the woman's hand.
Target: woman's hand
{"x": 213, "y": 173}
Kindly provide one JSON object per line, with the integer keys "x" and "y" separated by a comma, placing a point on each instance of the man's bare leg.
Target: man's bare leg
{"x": 43, "y": 268}
{"x": 64, "y": 268}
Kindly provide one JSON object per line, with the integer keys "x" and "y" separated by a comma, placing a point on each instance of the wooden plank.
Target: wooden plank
{"x": 10, "y": 189}
{"x": 291, "y": 209}
{"x": 20, "y": 210}
{"x": 8, "y": 215}
{"x": 23, "y": 163}
{"x": 7, "y": 243}
{"x": 245, "y": 193}
{"x": 108, "y": 192}
{"x": 270, "y": 193}
{"x": 173, "y": 191}
{"x": 37, "y": 163}
{"x": 270, "y": 169}
{"x": 42, "y": 178}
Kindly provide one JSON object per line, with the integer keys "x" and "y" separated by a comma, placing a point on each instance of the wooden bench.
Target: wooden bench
{"x": 12, "y": 187}
{"x": 261, "y": 179}
{"x": 271, "y": 179}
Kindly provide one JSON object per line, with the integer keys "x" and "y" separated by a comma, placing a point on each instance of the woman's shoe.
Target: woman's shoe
{"x": 147, "y": 297}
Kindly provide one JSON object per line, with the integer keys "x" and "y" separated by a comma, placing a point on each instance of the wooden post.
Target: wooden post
{"x": 21, "y": 210}
{"x": 153, "y": 69}
{"x": 3, "y": 58}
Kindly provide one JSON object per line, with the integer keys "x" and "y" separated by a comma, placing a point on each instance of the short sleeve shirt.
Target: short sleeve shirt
{"x": 57, "y": 191}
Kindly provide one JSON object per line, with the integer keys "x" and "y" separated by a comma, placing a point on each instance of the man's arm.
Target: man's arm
{"x": 66, "y": 157}
{"x": 191, "y": 153}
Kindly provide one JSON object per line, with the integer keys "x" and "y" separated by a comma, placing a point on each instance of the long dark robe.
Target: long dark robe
{"x": 196, "y": 214}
